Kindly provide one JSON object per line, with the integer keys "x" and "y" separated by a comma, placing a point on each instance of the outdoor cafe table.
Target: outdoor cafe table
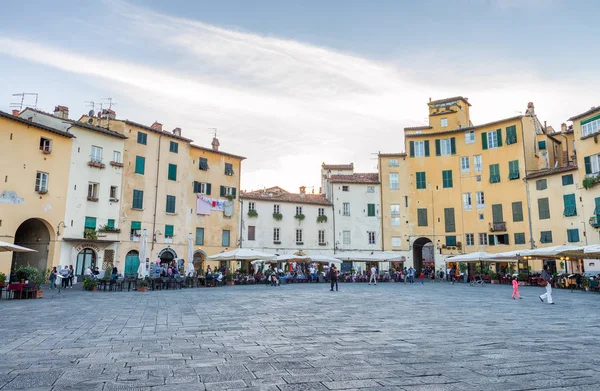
{"x": 18, "y": 290}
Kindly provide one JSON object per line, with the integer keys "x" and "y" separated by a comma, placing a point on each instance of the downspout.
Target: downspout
{"x": 333, "y": 208}
{"x": 531, "y": 241}
{"x": 156, "y": 193}
{"x": 241, "y": 204}
{"x": 381, "y": 204}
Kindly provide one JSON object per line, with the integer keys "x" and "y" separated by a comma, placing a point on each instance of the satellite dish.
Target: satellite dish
{"x": 90, "y": 121}
{"x": 99, "y": 114}
{"x": 91, "y": 113}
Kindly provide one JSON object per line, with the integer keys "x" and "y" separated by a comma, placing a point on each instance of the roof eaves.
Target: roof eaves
{"x": 590, "y": 111}
{"x": 217, "y": 152}
{"x": 36, "y": 125}
{"x": 162, "y": 132}
{"x": 552, "y": 171}
{"x": 466, "y": 100}
{"x": 107, "y": 132}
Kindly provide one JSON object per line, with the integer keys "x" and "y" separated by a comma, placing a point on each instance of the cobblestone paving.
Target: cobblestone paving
{"x": 303, "y": 337}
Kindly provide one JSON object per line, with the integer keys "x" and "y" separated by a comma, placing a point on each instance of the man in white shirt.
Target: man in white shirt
{"x": 373, "y": 275}
{"x": 88, "y": 272}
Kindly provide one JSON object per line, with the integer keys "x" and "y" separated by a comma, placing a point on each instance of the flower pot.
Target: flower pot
{"x": 39, "y": 294}
{"x": 229, "y": 283}
{"x": 142, "y": 289}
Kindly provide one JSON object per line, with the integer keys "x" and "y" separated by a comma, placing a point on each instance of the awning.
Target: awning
{"x": 380, "y": 256}
{"x": 477, "y": 256}
{"x": 593, "y": 249}
{"x": 240, "y": 254}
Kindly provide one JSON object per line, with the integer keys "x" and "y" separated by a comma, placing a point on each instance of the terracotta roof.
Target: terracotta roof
{"x": 150, "y": 129}
{"x": 466, "y": 100}
{"x": 277, "y": 194}
{"x": 217, "y": 152}
{"x": 590, "y": 111}
{"x": 550, "y": 171}
{"x": 98, "y": 129}
{"x": 366, "y": 178}
{"x": 36, "y": 125}
{"x": 418, "y": 127}
{"x": 338, "y": 166}
{"x": 442, "y": 112}
{"x": 398, "y": 154}
{"x": 466, "y": 128}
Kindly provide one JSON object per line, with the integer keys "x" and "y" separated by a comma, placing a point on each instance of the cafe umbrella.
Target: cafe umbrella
{"x": 142, "y": 271}
{"x": 189, "y": 269}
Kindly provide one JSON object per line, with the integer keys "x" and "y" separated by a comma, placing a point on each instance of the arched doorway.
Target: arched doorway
{"x": 86, "y": 258}
{"x": 132, "y": 263}
{"x": 199, "y": 258}
{"x": 423, "y": 253}
{"x": 33, "y": 234}
{"x": 167, "y": 256}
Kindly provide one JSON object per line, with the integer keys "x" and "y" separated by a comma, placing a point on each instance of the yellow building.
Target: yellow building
{"x": 34, "y": 167}
{"x": 394, "y": 210}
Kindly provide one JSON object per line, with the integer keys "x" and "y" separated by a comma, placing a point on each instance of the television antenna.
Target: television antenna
{"x": 92, "y": 104}
{"x": 110, "y": 102}
{"x": 214, "y": 131}
{"x": 22, "y": 102}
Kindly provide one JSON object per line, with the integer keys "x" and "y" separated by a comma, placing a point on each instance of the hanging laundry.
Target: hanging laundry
{"x": 228, "y": 208}
{"x": 203, "y": 205}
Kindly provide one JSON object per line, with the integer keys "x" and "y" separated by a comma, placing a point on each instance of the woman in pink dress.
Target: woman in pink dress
{"x": 515, "y": 288}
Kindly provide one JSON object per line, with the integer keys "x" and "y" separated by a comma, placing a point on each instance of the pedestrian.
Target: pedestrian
{"x": 333, "y": 277}
{"x": 411, "y": 275}
{"x": 71, "y": 276}
{"x": 515, "y": 284}
{"x": 422, "y": 277}
{"x": 405, "y": 274}
{"x": 373, "y": 277}
{"x": 53, "y": 275}
{"x": 65, "y": 277}
{"x": 547, "y": 278}
{"x": 114, "y": 274}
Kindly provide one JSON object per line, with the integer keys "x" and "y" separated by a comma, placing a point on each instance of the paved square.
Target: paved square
{"x": 303, "y": 337}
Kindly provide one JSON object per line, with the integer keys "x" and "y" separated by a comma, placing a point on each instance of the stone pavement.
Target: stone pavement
{"x": 303, "y": 337}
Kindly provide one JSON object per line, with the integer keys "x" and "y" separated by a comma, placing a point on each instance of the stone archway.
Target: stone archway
{"x": 35, "y": 234}
{"x": 422, "y": 251}
{"x": 199, "y": 259}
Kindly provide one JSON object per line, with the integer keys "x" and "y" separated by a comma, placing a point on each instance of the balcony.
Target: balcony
{"x": 595, "y": 221}
{"x": 116, "y": 164}
{"x": 96, "y": 163}
{"x": 498, "y": 227}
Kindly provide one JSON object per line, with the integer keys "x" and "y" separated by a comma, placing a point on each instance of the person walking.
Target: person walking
{"x": 405, "y": 274}
{"x": 52, "y": 278}
{"x": 422, "y": 277}
{"x": 64, "y": 273}
{"x": 411, "y": 275}
{"x": 547, "y": 278}
{"x": 333, "y": 277}
{"x": 373, "y": 277}
{"x": 515, "y": 285}
{"x": 71, "y": 275}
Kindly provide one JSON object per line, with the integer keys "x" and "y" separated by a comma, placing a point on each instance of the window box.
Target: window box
{"x": 92, "y": 199}
{"x": 46, "y": 152}
{"x": 116, "y": 164}
{"x": 277, "y": 216}
{"x": 114, "y": 200}
{"x": 97, "y": 164}
{"x": 43, "y": 191}
{"x": 252, "y": 213}
{"x": 498, "y": 227}
{"x": 299, "y": 217}
{"x": 322, "y": 243}
{"x": 321, "y": 219}
{"x": 299, "y": 243}
{"x": 276, "y": 242}
{"x": 109, "y": 230}
{"x": 591, "y": 181}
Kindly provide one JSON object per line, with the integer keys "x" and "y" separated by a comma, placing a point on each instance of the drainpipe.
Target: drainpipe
{"x": 241, "y": 241}
{"x": 381, "y": 204}
{"x": 531, "y": 241}
{"x": 333, "y": 208}
{"x": 156, "y": 193}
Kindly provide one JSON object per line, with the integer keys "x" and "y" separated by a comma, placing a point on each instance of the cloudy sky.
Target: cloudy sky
{"x": 292, "y": 84}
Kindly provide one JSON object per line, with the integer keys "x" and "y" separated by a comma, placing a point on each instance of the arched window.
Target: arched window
{"x": 85, "y": 258}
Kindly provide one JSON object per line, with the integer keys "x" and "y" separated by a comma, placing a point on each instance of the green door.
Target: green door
{"x": 132, "y": 262}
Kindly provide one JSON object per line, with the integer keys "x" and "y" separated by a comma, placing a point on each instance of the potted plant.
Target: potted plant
{"x": 321, "y": 219}
{"x": 277, "y": 216}
{"x": 589, "y": 182}
{"x": 252, "y": 213}
{"x": 586, "y": 283}
{"x": 228, "y": 278}
{"x": 495, "y": 277}
{"x": 2, "y": 280}
{"x": 300, "y": 216}
{"x": 39, "y": 279}
{"x": 142, "y": 285}
{"x": 90, "y": 284}
{"x": 25, "y": 274}
{"x": 90, "y": 234}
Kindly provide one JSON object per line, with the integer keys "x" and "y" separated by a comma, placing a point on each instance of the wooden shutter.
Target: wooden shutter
{"x": 597, "y": 209}
{"x": 453, "y": 145}
{"x": 438, "y": 151}
{"x": 499, "y": 137}
{"x": 195, "y": 186}
{"x": 588, "y": 164}
{"x": 426, "y": 147}
{"x": 172, "y": 175}
{"x": 497, "y": 215}
{"x": 208, "y": 188}
{"x": 169, "y": 229}
{"x": 484, "y": 140}
{"x": 136, "y": 225}
{"x": 449, "y": 220}
{"x": 370, "y": 210}
{"x": 543, "y": 208}
{"x": 506, "y": 239}
{"x": 412, "y": 148}
{"x": 517, "y": 210}
{"x": 570, "y": 205}
{"x": 450, "y": 240}
{"x": 491, "y": 240}
{"x": 422, "y": 217}
{"x": 234, "y": 192}
{"x": 90, "y": 222}
{"x": 140, "y": 163}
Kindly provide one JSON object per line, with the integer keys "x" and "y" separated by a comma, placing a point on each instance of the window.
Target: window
{"x": 276, "y": 235}
{"x": 96, "y": 155}
{"x": 298, "y": 210}
{"x": 465, "y": 166}
{"x": 392, "y": 162}
{"x": 467, "y": 201}
{"x": 371, "y": 235}
{"x": 371, "y": 210}
{"x": 447, "y": 179}
{"x": 421, "y": 180}
{"x": 542, "y": 145}
{"x": 138, "y": 199}
{"x": 477, "y": 163}
{"x": 228, "y": 191}
{"x": 117, "y": 157}
{"x": 483, "y": 239}
{"x": 345, "y": 188}
{"x": 422, "y": 217}
{"x": 225, "y": 239}
{"x": 541, "y": 184}
{"x": 90, "y": 223}
{"x": 445, "y": 147}
{"x": 321, "y": 237}
{"x": 299, "y": 236}
{"x": 251, "y": 205}
{"x": 199, "y": 236}
{"x": 93, "y": 191}
{"x": 573, "y": 235}
{"x": 393, "y": 181}
{"x": 171, "y": 204}
{"x": 142, "y": 138}
{"x": 494, "y": 173}
{"x": 346, "y": 209}
{"x": 497, "y": 213}
{"x": 169, "y": 231}
{"x": 276, "y": 208}
{"x": 517, "y": 211}
{"x": 570, "y": 206}
{"x": 491, "y": 139}
{"x": 450, "y": 240}
{"x": 201, "y": 188}
{"x": 480, "y": 199}
{"x": 567, "y": 180}
{"x": 321, "y": 212}
{"x": 203, "y": 165}
{"x": 498, "y": 239}
{"x": 470, "y": 137}
{"x": 110, "y": 223}
{"x": 590, "y": 125}
{"x": 592, "y": 164}
{"x": 173, "y": 147}
{"x": 45, "y": 144}
{"x": 419, "y": 148}
{"x": 444, "y": 122}
{"x": 251, "y": 232}
{"x": 140, "y": 165}
{"x": 511, "y": 135}
{"x": 513, "y": 170}
{"x": 543, "y": 208}
{"x": 520, "y": 238}
{"x": 172, "y": 175}
{"x": 396, "y": 241}
{"x": 228, "y": 169}
{"x": 546, "y": 237}
{"x": 395, "y": 221}
{"x": 136, "y": 228}
{"x": 395, "y": 209}
{"x": 470, "y": 239}
{"x": 346, "y": 237}
{"x": 449, "y": 220}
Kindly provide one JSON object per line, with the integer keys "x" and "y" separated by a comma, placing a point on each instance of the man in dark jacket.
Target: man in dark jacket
{"x": 333, "y": 277}
{"x": 547, "y": 277}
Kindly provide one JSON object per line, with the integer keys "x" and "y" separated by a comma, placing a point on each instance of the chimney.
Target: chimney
{"x": 563, "y": 127}
{"x": 215, "y": 144}
{"x": 177, "y": 132}
{"x": 15, "y": 112}
{"x": 157, "y": 126}
{"x": 108, "y": 114}
{"x": 530, "y": 109}
{"x": 302, "y": 189}
{"x": 61, "y": 112}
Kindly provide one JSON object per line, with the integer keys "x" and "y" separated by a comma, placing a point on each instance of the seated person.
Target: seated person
{"x": 96, "y": 272}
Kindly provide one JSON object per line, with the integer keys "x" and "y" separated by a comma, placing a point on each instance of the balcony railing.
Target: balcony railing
{"x": 595, "y": 221}
{"x": 498, "y": 227}
{"x": 96, "y": 163}
{"x": 116, "y": 164}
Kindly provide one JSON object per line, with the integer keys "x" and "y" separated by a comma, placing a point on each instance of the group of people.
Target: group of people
{"x": 66, "y": 275}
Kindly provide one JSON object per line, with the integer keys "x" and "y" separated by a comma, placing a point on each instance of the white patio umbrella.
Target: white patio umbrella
{"x": 240, "y": 254}
{"x": 477, "y": 256}
{"x": 142, "y": 271}
{"x": 14, "y": 248}
{"x": 552, "y": 251}
{"x": 324, "y": 259}
{"x": 592, "y": 249}
{"x": 515, "y": 254}
{"x": 189, "y": 269}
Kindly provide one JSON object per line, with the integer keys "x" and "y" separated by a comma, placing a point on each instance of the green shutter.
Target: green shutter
{"x": 541, "y": 184}
{"x": 484, "y": 141}
{"x": 136, "y": 225}
{"x": 506, "y": 239}
{"x": 199, "y": 236}
{"x": 141, "y": 138}
{"x": 138, "y": 199}
{"x": 412, "y": 148}
{"x": 422, "y": 217}
{"x": 497, "y": 214}
{"x": 453, "y": 145}
{"x": 546, "y": 237}
{"x": 588, "y": 164}
{"x": 513, "y": 170}
{"x": 499, "y": 137}
{"x": 543, "y": 208}
{"x": 449, "y": 220}
{"x": 223, "y": 191}
{"x": 421, "y": 180}
{"x": 225, "y": 239}
{"x": 491, "y": 240}
{"x": 90, "y": 222}
{"x": 233, "y": 192}
{"x": 196, "y": 187}
{"x": 511, "y": 135}
{"x": 517, "y": 210}
{"x": 140, "y": 165}
{"x": 587, "y": 121}
{"x": 597, "y": 209}
{"x": 371, "y": 210}
{"x": 567, "y": 180}
{"x": 173, "y": 147}
{"x": 208, "y": 188}
{"x": 450, "y": 240}
{"x": 426, "y": 147}
{"x": 519, "y": 238}
{"x": 494, "y": 173}
{"x": 447, "y": 179}
{"x": 573, "y": 235}
{"x": 570, "y": 205}
{"x": 172, "y": 172}
{"x": 438, "y": 151}
{"x": 542, "y": 144}
{"x": 171, "y": 201}
{"x": 110, "y": 223}
{"x": 169, "y": 229}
